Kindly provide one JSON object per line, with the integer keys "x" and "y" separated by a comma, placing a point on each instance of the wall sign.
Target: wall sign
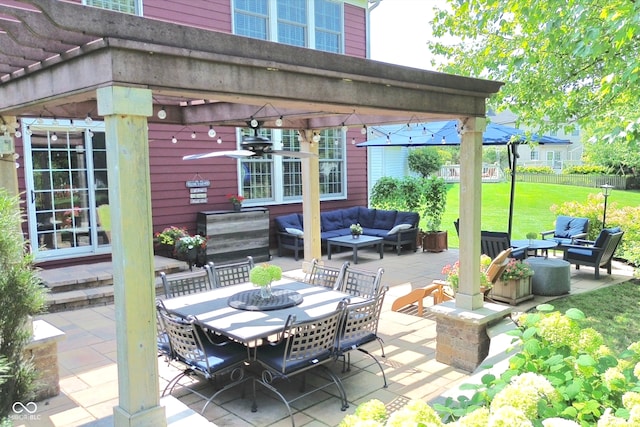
{"x": 198, "y": 190}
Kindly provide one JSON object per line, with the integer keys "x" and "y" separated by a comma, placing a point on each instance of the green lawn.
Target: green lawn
{"x": 531, "y": 207}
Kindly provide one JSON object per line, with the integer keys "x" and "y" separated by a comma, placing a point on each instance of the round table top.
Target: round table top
{"x": 534, "y": 244}
{"x": 252, "y": 301}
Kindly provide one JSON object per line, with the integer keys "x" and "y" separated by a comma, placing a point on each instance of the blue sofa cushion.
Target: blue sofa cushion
{"x": 288, "y": 221}
{"x": 407, "y": 218}
{"x": 332, "y": 220}
{"x": 376, "y": 232}
{"x": 562, "y": 226}
{"x": 385, "y": 219}
{"x": 367, "y": 217}
{"x": 350, "y": 216}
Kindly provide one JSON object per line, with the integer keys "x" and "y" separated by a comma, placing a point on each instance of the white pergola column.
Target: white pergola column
{"x": 310, "y": 197}
{"x": 468, "y": 296}
{"x": 8, "y": 172}
{"x": 125, "y": 112}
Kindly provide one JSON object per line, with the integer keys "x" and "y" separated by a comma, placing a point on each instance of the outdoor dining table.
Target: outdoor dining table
{"x": 217, "y": 309}
{"x": 535, "y": 245}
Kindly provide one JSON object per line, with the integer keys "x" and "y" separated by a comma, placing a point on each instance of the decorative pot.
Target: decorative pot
{"x": 355, "y": 236}
{"x": 265, "y": 291}
{"x": 237, "y": 207}
{"x": 512, "y": 291}
{"x": 435, "y": 241}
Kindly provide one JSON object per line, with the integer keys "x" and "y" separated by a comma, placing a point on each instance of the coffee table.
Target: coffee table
{"x": 535, "y": 245}
{"x": 361, "y": 242}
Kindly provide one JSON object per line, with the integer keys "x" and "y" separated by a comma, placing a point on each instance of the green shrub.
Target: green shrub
{"x": 586, "y": 170}
{"x": 21, "y": 295}
{"x": 424, "y": 161}
{"x": 406, "y": 194}
{"x": 537, "y": 170}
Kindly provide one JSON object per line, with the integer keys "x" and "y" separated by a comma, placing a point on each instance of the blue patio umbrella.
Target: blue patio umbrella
{"x": 446, "y": 133}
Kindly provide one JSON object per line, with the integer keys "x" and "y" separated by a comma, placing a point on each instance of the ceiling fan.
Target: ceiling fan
{"x": 253, "y": 145}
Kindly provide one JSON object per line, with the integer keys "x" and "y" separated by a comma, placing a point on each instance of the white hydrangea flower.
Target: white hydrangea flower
{"x": 559, "y": 422}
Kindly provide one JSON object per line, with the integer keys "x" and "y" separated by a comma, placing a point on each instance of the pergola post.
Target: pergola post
{"x": 125, "y": 112}
{"x": 310, "y": 197}
{"x": 468, "y": 296}
{"x": 8, "y": 173}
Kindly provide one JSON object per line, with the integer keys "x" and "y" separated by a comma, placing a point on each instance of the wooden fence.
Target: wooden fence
{"x": 618, "y": 182}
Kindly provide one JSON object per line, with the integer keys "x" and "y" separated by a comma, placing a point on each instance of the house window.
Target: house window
{"x": 316, "y": 24}
{"x": 278, "y": 179}
{"x": 535, "y": 155}
{"x": 133, "y": 7}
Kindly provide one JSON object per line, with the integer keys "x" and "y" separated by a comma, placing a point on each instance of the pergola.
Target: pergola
{"x": 65, "y": 60}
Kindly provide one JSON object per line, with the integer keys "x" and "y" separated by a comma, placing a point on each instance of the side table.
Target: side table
{"x": 551, "y": 276}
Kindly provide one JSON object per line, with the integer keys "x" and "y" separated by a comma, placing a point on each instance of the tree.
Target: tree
{"x": 424, "y": 161}
{"x": 562, "y": 61}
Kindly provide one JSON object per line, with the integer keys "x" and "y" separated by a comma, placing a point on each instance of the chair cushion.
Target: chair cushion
{"x": 348, "y": 345}
{"x": 377, "y": 232}
{"x": 585, "y": 255}
{"x": 273, "y": 356}
{"x": 385, "y": 219}
{"x": 366, "y": 217}
{"x": 407, "y": 218}
{"x": 562, "y": 226}
{"x": 288, "y": 221}
{"x": 577, "y": 226}
{"x": 222, "y": 356}
{"x": 332, "y": 220}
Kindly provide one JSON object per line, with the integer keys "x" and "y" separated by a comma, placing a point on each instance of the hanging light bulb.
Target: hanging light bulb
{"x": 353, "y": 141}
{"x": 174, "y": 139}
{"x": 88, "y": 120}
{"x": 409, "y": 126}
{"x": 345, "y": 128}
{"x": 73, "y": 125}
{"x": 162, "y": 114}
{"x": 316, "y": 137}
{"x": 388, "y": 139}
{"x": 363, "y": 130}
{"x": 253, "y": 123}
{"x": 279, "y": 122}
{"x": 444, "y": 141}
{"x": 18, "y": 134}
{"x": 410, "y": 140}
{"x": 219, "y": 140}
{"x": 193, "y": 135}
{"x": 54, "y": 137}
{"x": 39, "y": 120}
{"x": 424, "y": 130}
{"x": 90, "y": 133}
{"x": 29, "y": 132}
{"x": 211, "y": 132}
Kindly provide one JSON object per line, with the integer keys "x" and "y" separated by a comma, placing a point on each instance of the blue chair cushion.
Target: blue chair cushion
{"x": 332, "y": 220}
{"x": 385, "y": 219}
{"x": 288, "y": 221}
{"x": 221, "y": 356}
{"x": 604, "y": 234}
{"x": 562, "y": 226}
{"x": 407, "y": 218}
{"x": 580, "y": 254}
{"x": 367, "y": 217}
{"x": 348, "y": 345}
{"x": 577, "y": 226}
{"x": 273, "y": 356}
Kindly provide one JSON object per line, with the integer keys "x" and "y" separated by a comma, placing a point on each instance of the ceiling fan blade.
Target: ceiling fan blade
{"x": 297, "y": 154}
{"x": 227, "y": 153}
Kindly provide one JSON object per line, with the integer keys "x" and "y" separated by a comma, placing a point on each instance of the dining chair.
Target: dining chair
{"x": 359, "y": 326}
{"x": 163, "y": 343}
{"x": 200, "y": 355}
{"x": 186, "y": 283}
{"x": 302, "y": 346}
{"x": 232, "y": 273}
{"x": 362, "y": 283}
{"x": 324, "y": 275}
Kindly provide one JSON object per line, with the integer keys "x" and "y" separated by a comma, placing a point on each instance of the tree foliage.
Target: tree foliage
{"x": 424, "y": 160}
{"x": 562, "y": 61}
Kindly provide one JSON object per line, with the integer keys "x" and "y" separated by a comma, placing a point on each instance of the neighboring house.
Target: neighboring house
{"x": 556, "y": 157}
{"x": 63, "y": 163}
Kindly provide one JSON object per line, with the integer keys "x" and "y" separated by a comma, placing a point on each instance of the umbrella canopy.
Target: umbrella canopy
{"x": 447, "y": 133}
{"x": 439, "y": 134}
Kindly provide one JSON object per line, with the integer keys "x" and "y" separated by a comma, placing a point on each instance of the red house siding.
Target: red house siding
{"x": 355, "y": 31}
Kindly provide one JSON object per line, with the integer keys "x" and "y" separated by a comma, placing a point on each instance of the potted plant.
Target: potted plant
{"x": 192, "y": 249}
{"x": 514, "y": 285}
{"x": 452, "y": 273}
{"x": 356, "y": 230}
{"x": 165, "y": 240}
{"x": 263, "y": 275}
{"x": 435, "y": 200}
{"x": 531, "y": 236}
{"x": 236, "y": 200}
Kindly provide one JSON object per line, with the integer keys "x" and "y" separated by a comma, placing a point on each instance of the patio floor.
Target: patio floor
{"x": 88, "y": 370}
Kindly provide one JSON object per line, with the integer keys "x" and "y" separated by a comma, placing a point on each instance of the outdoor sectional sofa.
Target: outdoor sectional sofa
{"x": 397, "y": 228}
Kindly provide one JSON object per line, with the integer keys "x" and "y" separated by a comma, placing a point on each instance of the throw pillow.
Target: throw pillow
{"x": 294, "y": 231}
{"x": 398, "y": 227}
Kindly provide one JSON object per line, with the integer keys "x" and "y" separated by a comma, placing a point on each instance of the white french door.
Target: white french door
{"x": 66, "y": 180}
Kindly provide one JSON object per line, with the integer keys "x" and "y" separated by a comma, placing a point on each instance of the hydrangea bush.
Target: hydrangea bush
{"x": 562, "y": 376}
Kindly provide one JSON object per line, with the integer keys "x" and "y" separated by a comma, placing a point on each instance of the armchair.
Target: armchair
{"x": 492, "y": 243}
{"x": 567, "y": 230}
{"x": 598, "y": 253}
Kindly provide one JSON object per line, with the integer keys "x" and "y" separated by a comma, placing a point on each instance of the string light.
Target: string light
{"x": 353, "y": 141}
{"x": 193, "y": 135}
{"x": 174, "y": 139}
{"x": 211, "y": 132}
{"x": 219, "y": 140}
{"x": 316, "y": 137}
{"x": 162, "y": 114}
{"x": 88, "y": 120}
{"x": 345, "y": 128}
{"x": 279, "y": 122}
{"x": 54, "y": 137}
{"x": 29, "y": 132}
{"x": 363, "y": 130}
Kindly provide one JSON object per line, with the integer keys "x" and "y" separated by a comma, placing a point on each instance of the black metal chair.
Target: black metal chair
{"x": 362, "y": 283}
{"x": 187, "y": 283}
{"x": 200, "y": 355}
{"x": 359, "y": 326}
{"x": 302, "y": 346}
{"x": 494, "y": 242}
{"x": 595, "y": 253}
{"x": 232, "y": 273}
{"x": 323, "y": 275}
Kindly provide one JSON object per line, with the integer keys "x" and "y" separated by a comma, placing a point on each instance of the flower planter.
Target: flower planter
{"x": 512, "y": 291}
{"x": 435, "y": 241}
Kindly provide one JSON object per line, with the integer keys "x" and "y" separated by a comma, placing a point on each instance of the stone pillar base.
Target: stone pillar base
{"x": 461, "y": 335}
{"x": 43, "y": 351}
